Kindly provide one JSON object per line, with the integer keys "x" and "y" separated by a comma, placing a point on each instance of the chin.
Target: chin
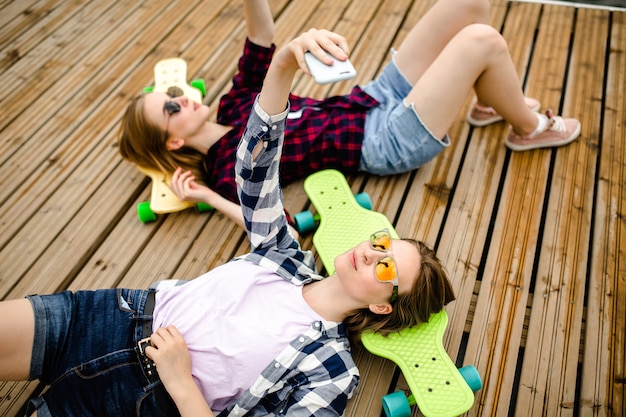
{"x": 341, "y": 263}
{"x": 337, "y": 264}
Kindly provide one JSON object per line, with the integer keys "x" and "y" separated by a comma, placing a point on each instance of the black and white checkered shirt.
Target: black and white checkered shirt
{"x": 316, "y": 374}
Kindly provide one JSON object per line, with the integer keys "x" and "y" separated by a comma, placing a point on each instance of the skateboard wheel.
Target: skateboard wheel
{"x": 200, "y": 85}
{"x": 396, "y": 405}
{"x": 204, "y": 207}
{"x": 472, "y": 377}
{"x": 364, "y": 200}
{"x": 305, "y": 221}
{"x": 145, "y": 213}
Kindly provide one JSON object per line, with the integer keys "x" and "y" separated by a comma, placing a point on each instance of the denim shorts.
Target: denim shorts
{"x": 84, "y": 350}
{"x": 395, "y": 140}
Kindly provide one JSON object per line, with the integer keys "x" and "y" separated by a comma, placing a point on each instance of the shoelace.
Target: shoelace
{"x": 556, "y": 123}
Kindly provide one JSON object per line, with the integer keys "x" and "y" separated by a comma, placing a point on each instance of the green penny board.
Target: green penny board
{"x": 343, "y": 222}
{"x": 435, "y": 382}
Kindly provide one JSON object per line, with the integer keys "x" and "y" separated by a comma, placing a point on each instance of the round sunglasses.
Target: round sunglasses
{"x": 386, "y": 268}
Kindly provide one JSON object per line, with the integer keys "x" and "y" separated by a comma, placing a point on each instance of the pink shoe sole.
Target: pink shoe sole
{"x": 482, "y": 116}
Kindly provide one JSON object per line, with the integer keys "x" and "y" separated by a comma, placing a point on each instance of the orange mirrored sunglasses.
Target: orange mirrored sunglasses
{"x": 386, "y": 269}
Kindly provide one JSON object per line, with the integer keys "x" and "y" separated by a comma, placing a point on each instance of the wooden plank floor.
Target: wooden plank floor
{"x": 535, "y": 242}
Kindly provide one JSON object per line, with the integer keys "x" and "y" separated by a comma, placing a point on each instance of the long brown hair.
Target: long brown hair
{"x": 431, "y": 292}
{"x": 144, "y": 144}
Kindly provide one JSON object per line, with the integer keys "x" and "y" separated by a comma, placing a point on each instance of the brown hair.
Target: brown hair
{"x": 431, "y": 292}
{"x": 143, "y": 143}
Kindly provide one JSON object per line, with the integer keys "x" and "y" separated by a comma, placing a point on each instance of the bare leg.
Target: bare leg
{"x": 17, "y": 330}
{"x": 477, "y": 57}
{"x": 433, "y": 32}
{"x": 451, "y": 51}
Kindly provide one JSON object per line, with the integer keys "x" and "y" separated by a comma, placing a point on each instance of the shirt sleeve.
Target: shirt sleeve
{"x": 258, "y": 186}
{"x": 252, "y": 67}
{"x": 330, "y": 384}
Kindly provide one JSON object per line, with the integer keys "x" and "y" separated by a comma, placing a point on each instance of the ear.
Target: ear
{"x": 173, "y": 143}
{"x": 381, "y": 308}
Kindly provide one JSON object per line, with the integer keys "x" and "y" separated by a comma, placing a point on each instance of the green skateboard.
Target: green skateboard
{"x": 170, "y": 76}
{"x": 437, "y": 387}
{"x": 345, "y": 220}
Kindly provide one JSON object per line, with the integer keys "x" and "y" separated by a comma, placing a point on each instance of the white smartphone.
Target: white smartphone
{"x": 324, "y": 74}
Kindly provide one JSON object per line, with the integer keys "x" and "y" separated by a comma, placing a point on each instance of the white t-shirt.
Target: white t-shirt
{"x": 235, "y": 319}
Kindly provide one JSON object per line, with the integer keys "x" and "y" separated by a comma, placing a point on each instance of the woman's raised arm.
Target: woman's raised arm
{"x": 259, "y": 22}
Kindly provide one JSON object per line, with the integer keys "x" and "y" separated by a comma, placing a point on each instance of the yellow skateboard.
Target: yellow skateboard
{"x": 170, "y": 76}
{"x": 162, "y": 198}
{"x": 345, "y": 220}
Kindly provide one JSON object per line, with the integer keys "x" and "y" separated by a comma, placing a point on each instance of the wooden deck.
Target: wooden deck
{"x": 535, "y": 242}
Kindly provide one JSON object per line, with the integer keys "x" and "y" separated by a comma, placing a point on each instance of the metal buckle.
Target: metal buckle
{"x": 143, "y": 344}
{"x": 147, "y": 365}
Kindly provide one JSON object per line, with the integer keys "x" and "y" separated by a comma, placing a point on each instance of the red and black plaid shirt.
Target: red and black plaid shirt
{"x": 327, "y": 134}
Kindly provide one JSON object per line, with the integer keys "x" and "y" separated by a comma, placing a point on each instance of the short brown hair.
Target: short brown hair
{"x": 431, "y": 292}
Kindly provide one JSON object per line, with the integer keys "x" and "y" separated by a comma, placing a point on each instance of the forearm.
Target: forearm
{"x": 259, "y": 22}
{"x": 226, "y": 207}
{"x": 191, "y": 403}
{"x": 277, "y": 84}
{"x": 185, "y": 187}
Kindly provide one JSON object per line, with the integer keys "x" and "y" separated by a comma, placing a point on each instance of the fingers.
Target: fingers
{"x": 171, "y": 357}
{"x": 183, "y": 182}
{"x": 322, "y": 44}
{"x": 169, "y": 334}
{"x": 164, "y": 338}
{"x": 181, "y": 177}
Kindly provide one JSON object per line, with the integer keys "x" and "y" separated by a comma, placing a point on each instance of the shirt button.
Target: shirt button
{"x": 317, "y": 324}
{"x": 264, "y": 128}
{"x": 274, "y": 127}
{"x": 276, "y": 365}
{"x": 301, "y": 339}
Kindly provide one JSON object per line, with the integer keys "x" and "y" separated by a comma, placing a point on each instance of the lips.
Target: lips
{"x": 353, "y": 259}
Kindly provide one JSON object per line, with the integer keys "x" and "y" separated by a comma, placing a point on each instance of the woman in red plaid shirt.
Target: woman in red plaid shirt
{"x": 394, "y": 124}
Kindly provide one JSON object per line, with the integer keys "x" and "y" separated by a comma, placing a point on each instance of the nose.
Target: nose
{"x": 182, "y": 100}
{"x": 370, "y": 255}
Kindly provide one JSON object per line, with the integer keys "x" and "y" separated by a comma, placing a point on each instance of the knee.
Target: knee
{"x": 484, "y": 39}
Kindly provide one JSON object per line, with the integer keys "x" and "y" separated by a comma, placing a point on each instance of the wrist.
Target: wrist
{"x": 183, "y": 390}
{"x": 189, "y": 400}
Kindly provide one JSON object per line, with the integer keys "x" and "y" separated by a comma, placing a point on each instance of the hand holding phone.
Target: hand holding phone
{"x": 325, "y": 74}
